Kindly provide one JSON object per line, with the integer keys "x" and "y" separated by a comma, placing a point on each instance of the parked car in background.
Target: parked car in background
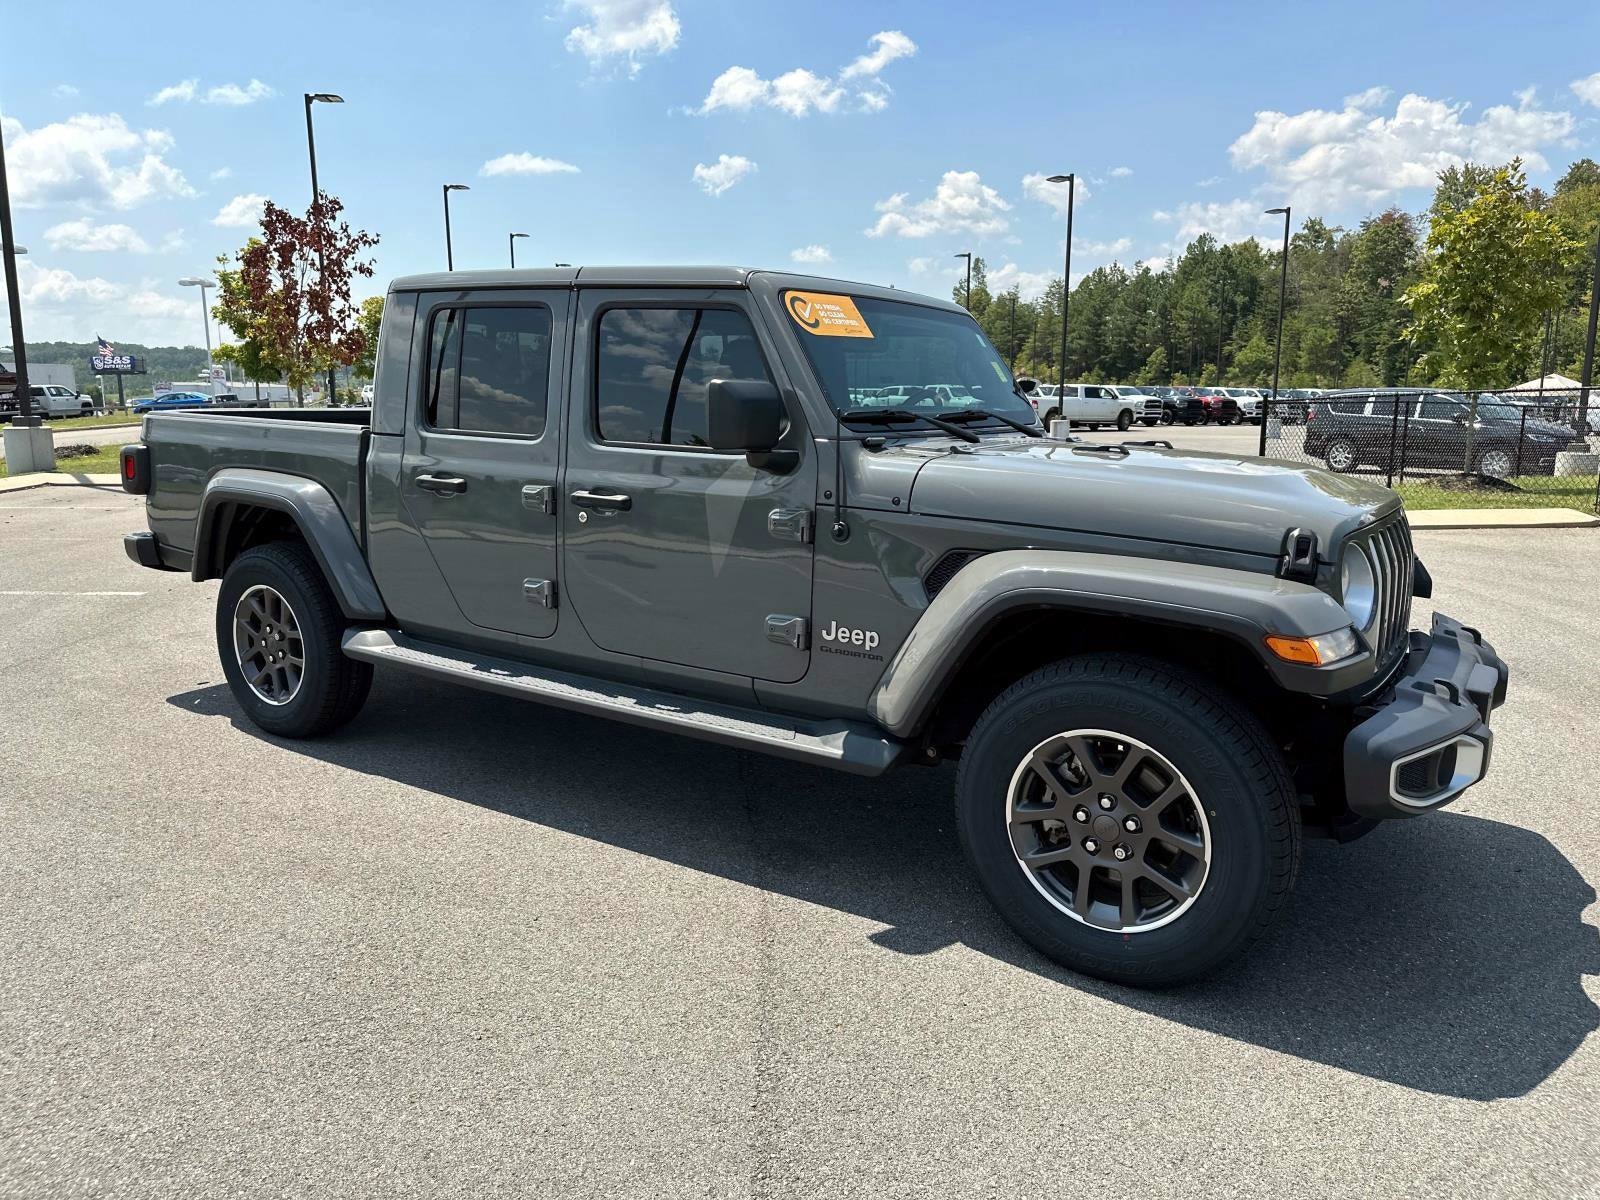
{"x": 49, "y": 400}
{"x": 1386, "y": 428}
{"x": 1091, "y": 404}
{"x": 366, "y": 393}
{"x": 1291, "y": 404}
{"x": 1249, "y": 401}
{"x": 1180, "y": 406}
{"x": 171, "y": 401}
{"x": 1221, "y": 408}
{"x": 1146, "y": 407}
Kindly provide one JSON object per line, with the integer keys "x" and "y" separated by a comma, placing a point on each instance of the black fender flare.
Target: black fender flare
{"x": 315, "y": 514}
{"x": 1242, "y": 605}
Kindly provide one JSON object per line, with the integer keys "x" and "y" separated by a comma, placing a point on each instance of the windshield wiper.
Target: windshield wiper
{"x": 984, "y": 414}
{"x": 888, "y": 416}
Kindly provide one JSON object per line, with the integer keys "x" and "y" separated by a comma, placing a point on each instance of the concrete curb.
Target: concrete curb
{"x": 38, "y": 479}
{"x": 1501, "y": 518}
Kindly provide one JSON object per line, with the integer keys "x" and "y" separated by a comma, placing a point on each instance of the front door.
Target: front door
{"x": 673, "y": 551}
{"x": 478, "y": 479}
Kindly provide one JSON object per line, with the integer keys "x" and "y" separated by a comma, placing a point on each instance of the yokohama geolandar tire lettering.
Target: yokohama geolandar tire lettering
{"x": 1184, "y": 803}
{"x": 278, "y": 631}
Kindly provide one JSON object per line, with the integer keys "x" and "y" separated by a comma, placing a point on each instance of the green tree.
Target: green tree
{"x": 1489, "y": 276}
{"x": 371, "y": 317}
{"x": 1154, "y": 369}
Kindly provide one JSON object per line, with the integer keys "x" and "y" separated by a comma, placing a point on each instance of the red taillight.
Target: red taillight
{"x": 136, "y": 470}
{"x": 128, "y": 467}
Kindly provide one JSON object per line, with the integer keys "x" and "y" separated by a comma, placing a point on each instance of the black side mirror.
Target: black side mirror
{"x": 748, "y": 415}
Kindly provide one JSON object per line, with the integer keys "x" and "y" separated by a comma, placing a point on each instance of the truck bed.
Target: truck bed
{"x": 187, "y": 448}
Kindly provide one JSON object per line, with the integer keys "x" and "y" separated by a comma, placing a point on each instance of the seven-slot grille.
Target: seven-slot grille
{"x": 1389, "y": 550}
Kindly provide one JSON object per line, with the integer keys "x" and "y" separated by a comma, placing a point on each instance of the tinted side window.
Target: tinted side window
{"x": 489, "y": 370}
{"x": 1349, "y": 408}
{"x": 1439, "y": 410}
{"x": 653, "y": 365}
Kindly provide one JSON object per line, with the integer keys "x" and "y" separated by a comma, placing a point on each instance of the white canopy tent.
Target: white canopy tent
{"x": 1549, "y": 383}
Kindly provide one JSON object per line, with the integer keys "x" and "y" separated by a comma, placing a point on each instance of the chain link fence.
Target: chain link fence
{"x": 1439, "y": 449}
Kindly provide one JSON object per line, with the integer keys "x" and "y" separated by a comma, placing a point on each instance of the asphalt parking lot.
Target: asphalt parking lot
{"x": 474, "y": 947}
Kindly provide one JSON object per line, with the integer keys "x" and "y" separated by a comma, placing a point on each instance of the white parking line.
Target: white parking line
{"x": 72, "y": 593}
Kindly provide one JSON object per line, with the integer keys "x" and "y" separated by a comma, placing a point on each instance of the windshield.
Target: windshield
{"x": 886, "y": 354}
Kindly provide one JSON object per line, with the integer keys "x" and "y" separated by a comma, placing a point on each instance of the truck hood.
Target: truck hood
{"x": 1192, "y": 497}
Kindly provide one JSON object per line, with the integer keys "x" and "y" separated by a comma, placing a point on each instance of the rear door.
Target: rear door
{"x": 673, "y": 551}
{"x": 479, "y": 470}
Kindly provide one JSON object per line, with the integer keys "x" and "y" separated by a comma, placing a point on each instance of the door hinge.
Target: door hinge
{"x": 788, "y": 631}
{"x": 791, "y": 524}
{"x": 540, "y": 591}
{"x": 541, "y": 497}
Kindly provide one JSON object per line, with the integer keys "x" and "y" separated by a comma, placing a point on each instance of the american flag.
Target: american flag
{"x": 105, "y": 346}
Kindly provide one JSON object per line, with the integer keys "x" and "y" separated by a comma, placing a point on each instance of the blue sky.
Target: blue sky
{"x": 870, "y": 141}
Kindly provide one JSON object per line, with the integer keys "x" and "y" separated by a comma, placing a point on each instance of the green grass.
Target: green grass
{"x": 1535, "y": 491}
{"x": 66, "y": 424}
{"x": 106, "y": 460}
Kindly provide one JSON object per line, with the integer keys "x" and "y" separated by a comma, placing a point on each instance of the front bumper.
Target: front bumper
{"x": 1428, "y": 740}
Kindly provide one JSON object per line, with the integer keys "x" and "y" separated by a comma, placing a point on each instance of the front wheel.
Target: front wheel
{"x": 1340, "y": 456}
{"x": 1127, "y": 819}
{"x": 1496, "y": 464}
{"x": 1124, "y": 420}
{"x": 278, "y": 631}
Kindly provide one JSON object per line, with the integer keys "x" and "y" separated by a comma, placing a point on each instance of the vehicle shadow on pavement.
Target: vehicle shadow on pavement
{"x": 1446, "y": 955}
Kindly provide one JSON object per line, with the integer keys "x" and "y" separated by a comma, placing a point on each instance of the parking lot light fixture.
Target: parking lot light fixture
{"x": 1277, "y": 342}
{"x": 511, "y": 239}
{"x": 966, "y": 296}
{"x": 205, "y": 319}
{"x": 1071, "y": 180}
{"x": 449, "y": 250}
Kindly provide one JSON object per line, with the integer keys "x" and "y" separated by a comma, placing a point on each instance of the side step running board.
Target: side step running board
{"x": 848, "y": 745}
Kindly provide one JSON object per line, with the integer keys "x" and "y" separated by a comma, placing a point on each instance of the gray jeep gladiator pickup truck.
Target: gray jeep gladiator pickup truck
{"x": 817, "y": 519}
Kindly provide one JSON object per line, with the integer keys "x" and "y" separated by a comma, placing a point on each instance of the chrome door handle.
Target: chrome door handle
{"x": 603, "y": 500}
{"x": 442, "y": 485}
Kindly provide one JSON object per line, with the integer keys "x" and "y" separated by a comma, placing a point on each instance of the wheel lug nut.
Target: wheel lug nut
{"x": 1080, "y": 814}
{"x": 1121, "y": 852}
{"x": 1131, "y": 824}
{"x": 1107, "y": 803}
{"x": 1091, "y": 846}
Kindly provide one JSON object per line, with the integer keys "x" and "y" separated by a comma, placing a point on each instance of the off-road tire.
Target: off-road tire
{"x": 332, "y": 688}
{"x": 1237, "y": 774}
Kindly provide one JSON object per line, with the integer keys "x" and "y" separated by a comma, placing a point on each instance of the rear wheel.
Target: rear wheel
{"x": 278, "y": 631}
{"x": 1496, "y": 464}
{"x": 1128, "y": 820}
{"x": 1340, "y": 456}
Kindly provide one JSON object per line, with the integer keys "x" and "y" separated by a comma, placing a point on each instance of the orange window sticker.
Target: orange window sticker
{"x": 822, "y": 314}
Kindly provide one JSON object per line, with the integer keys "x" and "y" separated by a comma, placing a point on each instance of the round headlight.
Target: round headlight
{"x": 1357, "y": 589}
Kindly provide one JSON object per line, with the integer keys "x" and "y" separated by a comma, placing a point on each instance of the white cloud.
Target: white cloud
{"x": 962, "y": 203}
{"x": 721, "y": 175}
{"x": 1038, "y": 187}
{"x": 1107, "y": 249}
{"x": 1357, "y": 155}
{"x": 90, "y": 161}
{"x": 625, "y": 29}
{"x": 1121, "y": 172}
{"x": 1030, "y": 284}
{"x": 812, "y": 255}
{"x": 220, "y": 174}
{"x": 61, "y": 306}
{"x": 181, "y": 92}
{"x": 1157, "y": 262}
{"x": 886, "y": 47}
{"x": 86, "y": 235}
{"x": 233, "y": 95}
{"x": 64, "y": 91}
{"x": 1209, "y": 181}
{"x": 526, "y": 164}
{"x": 801, "y": 92}
{"x": 1587, "y": 89}
{"x": 228, "y": 94}
{"x": 241, "y": 212}
{"x": 1226, "y": 220}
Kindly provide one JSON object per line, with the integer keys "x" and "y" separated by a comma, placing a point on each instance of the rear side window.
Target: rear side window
{"x": 653, "y": 365}
{"x": 489, "y": 369}
{"x": 1350, "y": 408}
{"x": 1436, "y": 409}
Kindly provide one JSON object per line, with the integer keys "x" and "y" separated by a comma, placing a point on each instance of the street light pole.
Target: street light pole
{"x": 1011, "y": 333}
{"x": 205, "y": 319}
{"x": 511, "y": 240}
{"x": 316, "y": 196}
{"x": 1277, "y": 342}
{"x": 1071, "y": 180}
{"x": 966, "y": 296}
{"x": 449, "y": 250}
{"x": 19, "y": 352}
